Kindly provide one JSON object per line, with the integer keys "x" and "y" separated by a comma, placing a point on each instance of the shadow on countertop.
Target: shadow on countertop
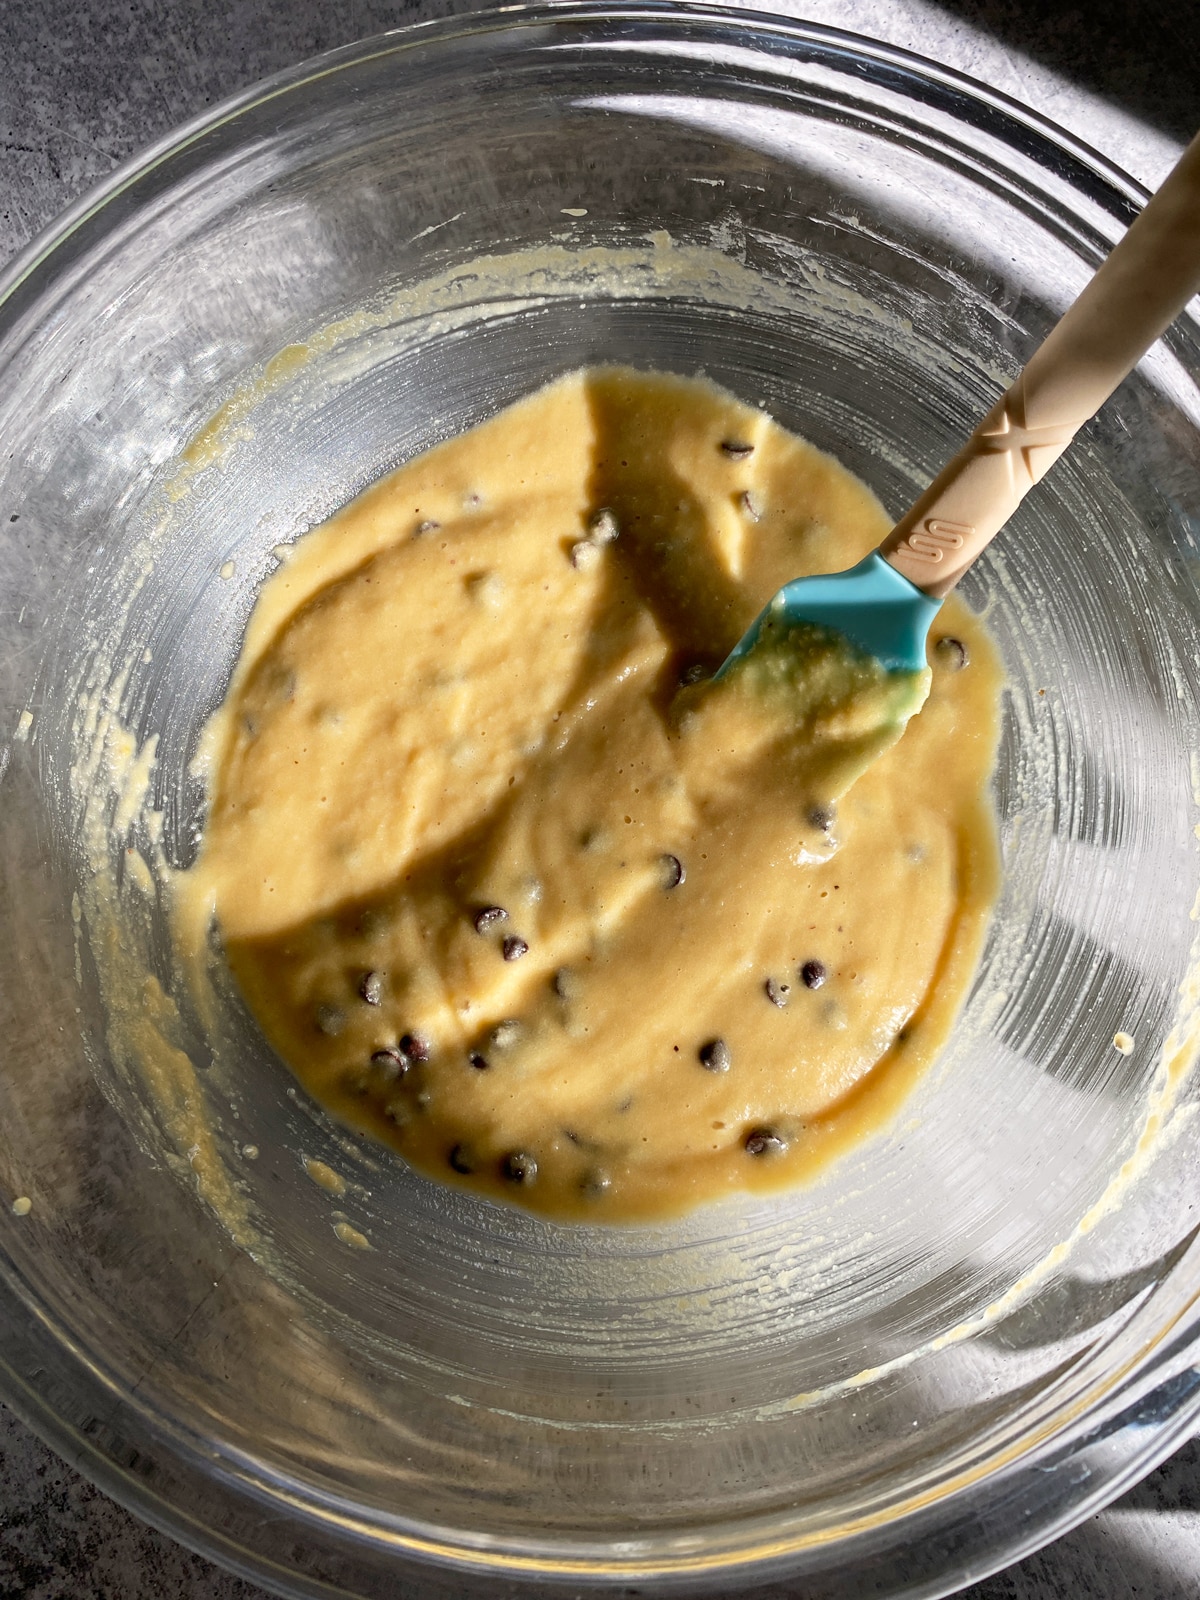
{"x": 1144, "y": 58}
{"x": 1116, "y": 1553}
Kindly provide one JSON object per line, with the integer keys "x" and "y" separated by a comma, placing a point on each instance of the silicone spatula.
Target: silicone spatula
{"x": 885, "y": 604}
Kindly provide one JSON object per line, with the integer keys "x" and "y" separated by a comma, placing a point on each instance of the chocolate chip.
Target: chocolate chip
{"x": 595, "y": 1183}
{"x": 330, "y": 1020}
{"x": 390, "y": 1062}
{"x": 715, "y": 1056}
{"x": 488, "y": 917}
{"x": 813, "y": 974}
{"x": 415, "y": 1047}
{"x": 487, "y": 588}
{"x": 518, "y": 1167}
{"x": 777, "y": 992}
{"x": 673, "y": 871}
{"x": 585, "y": 553}
{"x": 736, "y": 449}
{"x": 460, "y": 1159}
{"x": 603, "y": 526}
{"x": 428, "y": 526}
{"x": 953, "y": 652}
{"x": 822, "y": 817}
{"x": 764, "y": 1141}
{"x": 370, "y": 986}
{"x": 505, "y": 1034}
{"x": 514, "y": 947}
{"x": 696, "y": 673}
{"x": 480, "y": 1063}
{"x": 565, "y": 984}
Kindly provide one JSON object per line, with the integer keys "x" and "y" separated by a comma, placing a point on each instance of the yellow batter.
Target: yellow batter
{"x": 511, "y": 884}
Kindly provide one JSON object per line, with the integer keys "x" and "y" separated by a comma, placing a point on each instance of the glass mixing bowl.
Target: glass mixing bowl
{"x": 962, "y": 1338}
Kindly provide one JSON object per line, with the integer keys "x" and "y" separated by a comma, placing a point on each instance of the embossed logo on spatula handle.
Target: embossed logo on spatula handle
{"x": 1138, "y": 291}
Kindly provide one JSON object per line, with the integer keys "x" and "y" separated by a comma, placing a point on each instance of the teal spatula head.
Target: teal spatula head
{"x": 884, "y": 605}
{"x": 872, "y": 605}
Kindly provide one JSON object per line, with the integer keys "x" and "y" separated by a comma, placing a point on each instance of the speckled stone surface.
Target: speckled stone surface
{"x": 85, "y": 85}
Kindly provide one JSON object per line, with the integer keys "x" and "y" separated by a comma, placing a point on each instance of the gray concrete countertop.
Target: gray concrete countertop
{"x": 83, "y": 87}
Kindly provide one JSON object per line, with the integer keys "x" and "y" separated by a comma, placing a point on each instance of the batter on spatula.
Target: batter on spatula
{"x": 510, "y": 883}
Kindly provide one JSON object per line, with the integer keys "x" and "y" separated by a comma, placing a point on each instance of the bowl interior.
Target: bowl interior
{"x": 428, "y": 228}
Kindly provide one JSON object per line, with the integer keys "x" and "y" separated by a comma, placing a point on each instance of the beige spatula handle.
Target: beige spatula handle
{"x": 1144, "y": 284}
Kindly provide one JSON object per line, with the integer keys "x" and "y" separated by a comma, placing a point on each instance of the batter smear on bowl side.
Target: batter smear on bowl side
{"x": 512, "y": 884}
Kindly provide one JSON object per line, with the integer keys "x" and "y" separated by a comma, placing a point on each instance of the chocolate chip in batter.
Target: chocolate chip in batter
{"x": 514, "y": 947}
{"x": 673, "y": 871}
{"x": 480, "y": 1063}
{"x": 603, "y": 526}
{"x": 751, "y": 505}
{"x": 764, "y": 1141}
{"x": 330, "y": 1020}
{"x": 461, "y": 1160}
{"x": 595, "y": 1183}
{"x": 566, "y": 984}
{"x": 736, "y": 449}
{"x": 585, "y": 553}
{"x": 281, "y": 681}
{"x": 696, "y": 672}
{"x": 390, "y": 1062}
{"x": 813, "y": 974}
{"x": 505, "y": 1034}
{"x": 487, "y": 918}
{"x": 778, "y": 992}
{"x": 370, "y": 986}
{"x": 715, "y": 1056}
{"x": 415, "y": 1048}
{"x": 953, "y": 652}
{"x": 822, "y": 817}
{"x": 428, "y": 526}
{"x": 518, "y": 1167}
